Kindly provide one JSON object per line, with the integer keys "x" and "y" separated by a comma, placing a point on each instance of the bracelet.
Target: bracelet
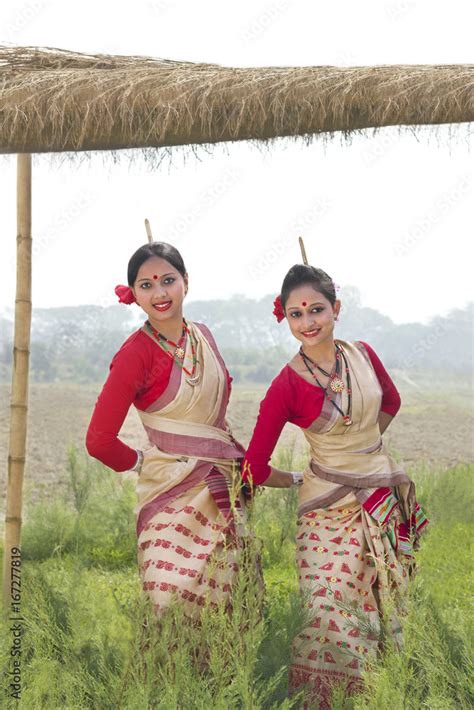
{"x": 139, "y": 462}
{"x": 297, "y": 478}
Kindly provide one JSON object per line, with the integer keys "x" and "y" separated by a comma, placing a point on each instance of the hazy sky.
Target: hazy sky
{"x": 391, "y": 214}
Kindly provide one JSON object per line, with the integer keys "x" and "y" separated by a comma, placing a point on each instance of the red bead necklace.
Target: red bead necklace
{"x": 178, "y": 353}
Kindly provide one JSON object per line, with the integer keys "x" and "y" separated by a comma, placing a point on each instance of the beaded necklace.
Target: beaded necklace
{"x": 336, "y": 382}
{"x": 178, "y": 354}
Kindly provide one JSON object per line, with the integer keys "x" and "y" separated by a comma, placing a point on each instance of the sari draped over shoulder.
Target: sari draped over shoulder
{"x": 188, "y": 514}
{"x": 358, "y": 523}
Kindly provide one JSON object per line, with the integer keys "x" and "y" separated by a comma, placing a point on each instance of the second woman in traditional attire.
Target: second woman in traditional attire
{"x": 358, "y": 520}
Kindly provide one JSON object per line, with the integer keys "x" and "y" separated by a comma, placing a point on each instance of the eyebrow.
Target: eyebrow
{"x": 318, "y": 303}
{"x": 170, "y": 273}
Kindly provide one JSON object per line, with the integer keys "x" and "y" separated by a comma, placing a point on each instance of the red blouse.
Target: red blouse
{"x": 139, "y": 373}
{"x": 291, "y": 398}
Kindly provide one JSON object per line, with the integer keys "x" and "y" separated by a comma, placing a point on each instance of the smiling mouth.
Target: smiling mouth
{"x": 311, "y": 333}
{"x": 162, "y": 306}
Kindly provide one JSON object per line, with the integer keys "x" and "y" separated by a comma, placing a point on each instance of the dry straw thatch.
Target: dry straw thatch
{"x": 54, "y": 100}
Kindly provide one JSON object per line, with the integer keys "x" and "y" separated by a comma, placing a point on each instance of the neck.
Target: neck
{"x": 324, "y": 352}
{"x": 171, "y": 328}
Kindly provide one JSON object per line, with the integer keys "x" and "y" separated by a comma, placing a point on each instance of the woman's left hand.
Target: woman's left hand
{"x": 283, "y": 479}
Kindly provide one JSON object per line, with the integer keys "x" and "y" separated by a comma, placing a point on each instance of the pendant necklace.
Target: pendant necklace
{"x": 336, "y": 383}
{"x": 178, "y": 353}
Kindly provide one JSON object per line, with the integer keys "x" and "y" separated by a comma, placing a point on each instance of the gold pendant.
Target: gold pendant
{"x": 336, "y": 384}
{"x": 179, "y": 353}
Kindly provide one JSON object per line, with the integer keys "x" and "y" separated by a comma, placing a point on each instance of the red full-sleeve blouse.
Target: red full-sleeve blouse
{"x": 138, "y": 374}
{"x": 291, "y": 398}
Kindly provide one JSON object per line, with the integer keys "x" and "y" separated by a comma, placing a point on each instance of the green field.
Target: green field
{"x": 89, "y": 642}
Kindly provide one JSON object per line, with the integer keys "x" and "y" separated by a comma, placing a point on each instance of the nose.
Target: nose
{"x": 309, "y": 322}
{"x": 160, "y": 291}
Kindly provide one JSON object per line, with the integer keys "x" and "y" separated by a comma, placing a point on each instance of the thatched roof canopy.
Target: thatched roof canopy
{"x": 53, "y": 100}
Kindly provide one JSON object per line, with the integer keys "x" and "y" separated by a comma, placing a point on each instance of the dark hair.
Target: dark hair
{"x": 302, "y": 274}
{"x": 160, "y": 249}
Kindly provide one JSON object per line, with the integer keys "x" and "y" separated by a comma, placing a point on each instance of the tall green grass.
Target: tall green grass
{"x": 436, "y": 667}
{"x": 91, "y": 640}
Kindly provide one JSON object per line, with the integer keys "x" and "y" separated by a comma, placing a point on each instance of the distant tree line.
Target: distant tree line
{"x": 76, "y": 344}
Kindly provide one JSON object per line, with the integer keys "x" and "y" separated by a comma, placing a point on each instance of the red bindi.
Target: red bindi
{"x": 155, "y": 276}
{"x": 304, "y": 303}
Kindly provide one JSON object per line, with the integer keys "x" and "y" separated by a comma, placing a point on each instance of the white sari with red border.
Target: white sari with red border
{"x": 188, "y": 530}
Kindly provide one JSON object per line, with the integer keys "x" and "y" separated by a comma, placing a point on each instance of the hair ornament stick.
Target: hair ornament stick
{"x": 303, "y": 251}
{"x": 148, "y": 231}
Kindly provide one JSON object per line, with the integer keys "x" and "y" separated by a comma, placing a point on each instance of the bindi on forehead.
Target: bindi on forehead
{"x": 155, "y": 277}
{"x": 304, "y": 304}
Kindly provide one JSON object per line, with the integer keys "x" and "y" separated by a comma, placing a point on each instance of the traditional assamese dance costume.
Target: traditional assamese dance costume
{"x": 188, "y": 530}
{"x": 358, "y": 519}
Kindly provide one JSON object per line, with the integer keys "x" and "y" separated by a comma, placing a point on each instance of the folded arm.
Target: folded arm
{"x": 390, "y": 396}
{"x": 113, "y": 403}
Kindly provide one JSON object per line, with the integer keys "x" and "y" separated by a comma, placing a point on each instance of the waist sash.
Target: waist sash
{"x": 191, "y": 439}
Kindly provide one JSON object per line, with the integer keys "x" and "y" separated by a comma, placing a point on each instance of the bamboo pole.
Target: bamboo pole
{"x": 21, "y": 356}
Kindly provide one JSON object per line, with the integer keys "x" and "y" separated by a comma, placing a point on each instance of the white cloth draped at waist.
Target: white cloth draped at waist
{"x": 351, "y": 463}
{"x": 187, "y": 438}
{"x": 331, "y": 476}
{"x": 389, "y": 477}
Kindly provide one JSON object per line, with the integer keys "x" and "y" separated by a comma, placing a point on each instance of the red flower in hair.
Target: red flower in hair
{"x": 278, "y": 311}
{"x": 125, "y": 294}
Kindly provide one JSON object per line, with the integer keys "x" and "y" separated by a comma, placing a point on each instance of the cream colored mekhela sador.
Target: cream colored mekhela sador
{"x": 189, "y": 534}
{"x": 357, "y": 521}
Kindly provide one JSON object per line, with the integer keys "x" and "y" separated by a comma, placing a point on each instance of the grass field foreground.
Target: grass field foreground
{"x": 90, "y": 640}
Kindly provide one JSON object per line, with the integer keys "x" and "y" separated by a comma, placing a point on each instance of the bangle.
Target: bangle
{"x": 297, "y": 478}
{"x": 139, "y": 462}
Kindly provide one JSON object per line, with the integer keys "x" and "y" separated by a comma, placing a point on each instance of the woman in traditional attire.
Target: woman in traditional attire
{"x": 358, "y": 520}
{"x": 189, "y": 529}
